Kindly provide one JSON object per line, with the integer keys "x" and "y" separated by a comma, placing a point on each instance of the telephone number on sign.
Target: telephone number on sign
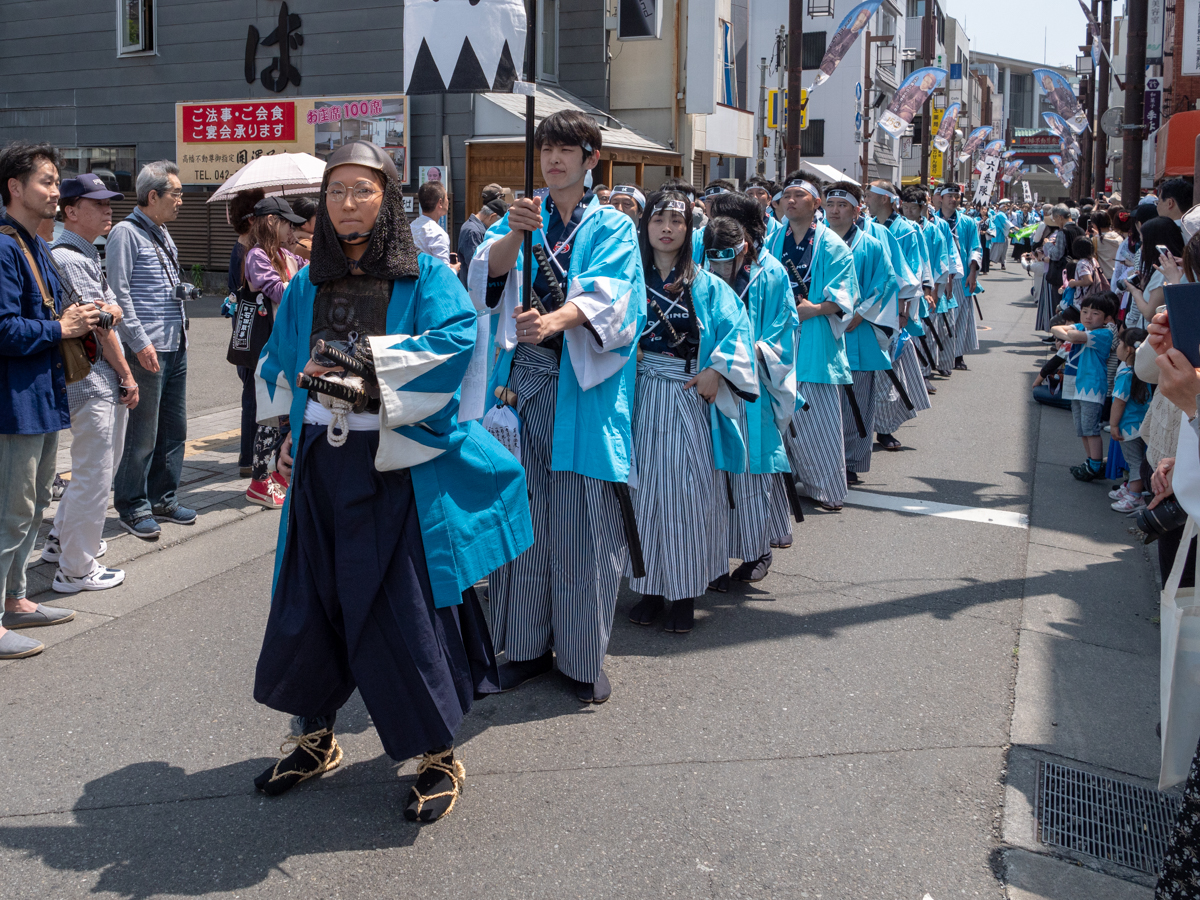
{"x": 217, "y": 175}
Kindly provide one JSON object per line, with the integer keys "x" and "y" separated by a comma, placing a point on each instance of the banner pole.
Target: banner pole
{"x": 530, "y": 108}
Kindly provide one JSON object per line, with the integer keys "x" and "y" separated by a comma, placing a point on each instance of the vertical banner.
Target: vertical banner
{"x": 1189, "y": 61}
{"x": 1152, "y": 105}
{"x": 1155, "y": 20}
{"x": 1026, "y": 192}
{"x": 987, "y": 179}
{"x": 909, "y": 98}
{"x": 944, "y": 122}
{"x": 843, "y": 39}
{"x": 639, "y": 20}
{"x": 1061, "y": 97}
{"x": 935, "y": 155}
{"x": 462, "y": 46}
{"x": 973, "y": 142}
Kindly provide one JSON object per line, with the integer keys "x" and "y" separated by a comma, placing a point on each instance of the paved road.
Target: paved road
{"x": 840, "y": 730}
{"x": 212, "y": 382}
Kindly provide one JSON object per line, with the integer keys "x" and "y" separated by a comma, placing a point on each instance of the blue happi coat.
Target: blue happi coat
{"x": 867, "y": 346}
{"x": 727, "y": 347}
{"x": 820, "y": 344}
{"x": 901, "y": 241}
{"x": 594, "y": 405}
{"x": 969, "y": 248}
{"x": 470, "y": 492}
{"x": 953, "y": 262}
{"x": 999, "y": 227}
{"x": 768, "y": 300}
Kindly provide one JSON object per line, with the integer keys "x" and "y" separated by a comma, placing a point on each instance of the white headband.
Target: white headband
{"x": 876, "y": 189}
{"x": 803, "y": 185}
{"x": 839, "y": 194}
{"x": 625, "y": 190}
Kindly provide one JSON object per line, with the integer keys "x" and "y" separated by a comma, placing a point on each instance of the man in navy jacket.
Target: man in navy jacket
{"x": 32, "y": 379}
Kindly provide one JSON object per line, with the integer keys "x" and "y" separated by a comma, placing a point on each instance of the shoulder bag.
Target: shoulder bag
{"x": 78, "y": 353}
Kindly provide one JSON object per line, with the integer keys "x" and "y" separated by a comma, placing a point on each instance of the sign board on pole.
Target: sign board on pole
{"x": 1154, "y": 32}
{"x": 935, "y": 155}
{"x": 1189, "y": 61}
{"x": 777, "y": 112}
{"x": 1152, "y": 105}
{"x": 987, "y": 179}
{"x": 639, "y": 20}
{"x": 215, "y": 138}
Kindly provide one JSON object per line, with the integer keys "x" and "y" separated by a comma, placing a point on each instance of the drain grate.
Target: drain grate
{"x": 1096, "y": 816}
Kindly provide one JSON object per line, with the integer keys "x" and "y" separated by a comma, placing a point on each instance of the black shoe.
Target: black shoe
{"x": 646, "y": 610}
{"x": 959, "y": 365}
{"x": 929, "y": 388}
{"x": 597, "y": 692}
{"x": 316, "y": 752}
{"x": 514, "y": 674}
{"x": 682, "y": 617}
{"x": 720, "y": 584}
{"x": 945, "y": 373}
{"x": 852, "y": 478}
{"x": 440, "y": 780}
{"x": 753, "y": 570}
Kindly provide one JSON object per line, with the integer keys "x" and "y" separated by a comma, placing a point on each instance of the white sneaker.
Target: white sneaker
{"x": 1120, "y": 493}
{"x": 100, "y": 578}
{"x": 1130, "y": 504}
{"x": 52, "y": 549}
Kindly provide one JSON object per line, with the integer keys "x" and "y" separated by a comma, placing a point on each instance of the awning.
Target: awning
{"x": 826, "y": 173}
{"x": 1175, "y": 145}
{"x": 500, "y": 118}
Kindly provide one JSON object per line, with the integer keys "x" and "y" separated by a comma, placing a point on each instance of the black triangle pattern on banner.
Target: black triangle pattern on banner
{"x": 506, "y": 72}
{"x": 468, "y": 74}
{"x": 426, "y": 79}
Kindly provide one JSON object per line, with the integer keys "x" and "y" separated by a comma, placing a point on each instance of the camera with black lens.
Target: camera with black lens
{"x": 106, "y": 320}
{"x": 187, "y": 292}
{"x": 1164, "y": 518}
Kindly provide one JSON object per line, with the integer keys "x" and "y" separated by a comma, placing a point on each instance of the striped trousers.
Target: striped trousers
{"x": 816, "y": 449}
{"x": 760, "y": 514}
{"x": 966, "y": 337}
{"x": 890, "y": 411}
{"x": 561, "y": 593}
{"x": 943, "y": 324}
{"x": 858, "y": 448}
{"x": 681, "y": 500}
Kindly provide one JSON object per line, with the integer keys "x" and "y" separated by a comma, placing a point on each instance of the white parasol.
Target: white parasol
{"x": 300, "y": 173}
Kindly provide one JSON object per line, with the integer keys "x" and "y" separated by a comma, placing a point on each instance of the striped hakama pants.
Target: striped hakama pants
{"x": 943, "y": 324}
{"x": 890, "y": 411}
{"x": 858, "y": 449}
{"x": 966, "y": 337}
{"x": 681, "y": 501}
{"x": 760, "y": 514}
{"x": 561, "y": 593}
{"x": 816, "y": 450}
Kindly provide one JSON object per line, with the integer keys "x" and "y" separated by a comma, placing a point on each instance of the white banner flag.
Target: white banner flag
{"x": 987, "y": 179}
{"x": 1027, "y": 192}
{"x": 462, "y": 46}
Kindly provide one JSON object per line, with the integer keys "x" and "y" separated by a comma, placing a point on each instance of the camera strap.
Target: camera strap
{"x": 160, "y": 245}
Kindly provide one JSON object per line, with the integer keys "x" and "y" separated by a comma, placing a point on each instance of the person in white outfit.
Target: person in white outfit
{"x": 428, "y": 235}
{"x": 99, "y": 402}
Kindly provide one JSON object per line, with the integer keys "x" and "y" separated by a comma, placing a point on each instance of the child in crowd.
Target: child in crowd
{"x": 1091, "y": 380}
{"x": 1131, "y": 399}
{"x": 1066, "y": 358}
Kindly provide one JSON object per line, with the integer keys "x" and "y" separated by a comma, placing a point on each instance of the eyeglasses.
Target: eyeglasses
{"x": 361, "y": 192}
{"x": 177, "y": 193}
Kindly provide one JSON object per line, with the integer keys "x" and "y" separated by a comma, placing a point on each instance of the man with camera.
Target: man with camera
{"x": 98, "y": 402}
{"x": 143, "y": 271}
{"x": 34, "y": 322}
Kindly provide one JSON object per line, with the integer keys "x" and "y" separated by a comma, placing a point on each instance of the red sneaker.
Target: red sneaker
{"x": 278, "y": 479}
{"x": 266, "y": 493}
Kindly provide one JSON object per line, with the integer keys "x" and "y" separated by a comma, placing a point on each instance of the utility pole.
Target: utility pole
{"x": 781, "y": 42}
{"x": 1085, "y": 162}
{"x": 928, "y": 33}
{"x": 1135, "y": 86}
{"x": 760, "y": 152}
{"x": 1103, "y": 80}
{"x": 795, "y": 57}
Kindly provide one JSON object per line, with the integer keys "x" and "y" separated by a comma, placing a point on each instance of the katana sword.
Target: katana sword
{"x": 629, "y": 522}
{"x": 858, "y": 419}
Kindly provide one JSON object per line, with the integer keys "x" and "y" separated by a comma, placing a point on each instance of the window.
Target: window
{"x": 812, "y": 138}
{"x": 135, "y": 26}
{"x": 115, "y": 166}
{"x": 729, "y": 91}
{"x": 548, "y": 43}
{"x": 812, "y": 49}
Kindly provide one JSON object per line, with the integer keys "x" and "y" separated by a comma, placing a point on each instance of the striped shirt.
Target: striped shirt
{"x": 82, "y": 272}
{"x": 143, "y": 278}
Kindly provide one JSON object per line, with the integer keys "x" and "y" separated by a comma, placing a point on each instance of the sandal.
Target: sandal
{"x": 443, "y": 777}
{"x": 888, "y": 442}
{"x": 305, "y": 756}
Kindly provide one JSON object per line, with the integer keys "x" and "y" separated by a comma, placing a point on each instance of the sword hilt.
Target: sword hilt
{"x": 543, "y": 261}
{"x": 361, "y": 364}
{"x": 356, "y": 397}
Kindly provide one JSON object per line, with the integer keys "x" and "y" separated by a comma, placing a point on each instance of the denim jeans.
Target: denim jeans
{"x": 152, "y": 463}
{"x": 27, "y": 461}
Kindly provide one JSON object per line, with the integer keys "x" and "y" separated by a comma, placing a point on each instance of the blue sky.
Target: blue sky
{"x": 1020, "y": 28}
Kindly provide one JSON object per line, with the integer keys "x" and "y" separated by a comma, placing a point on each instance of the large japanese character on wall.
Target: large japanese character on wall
{"x": 276, "y": 76}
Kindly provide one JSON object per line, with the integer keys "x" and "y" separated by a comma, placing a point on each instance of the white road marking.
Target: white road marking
{"x": 942, "y": 510}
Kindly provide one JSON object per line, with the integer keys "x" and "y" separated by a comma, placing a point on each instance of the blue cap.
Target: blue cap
{"x": 87, "y": 186}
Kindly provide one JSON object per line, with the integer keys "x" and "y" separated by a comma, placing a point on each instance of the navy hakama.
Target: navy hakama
{"x": 681, "y": 500}
{"x": 353, "y": 606}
